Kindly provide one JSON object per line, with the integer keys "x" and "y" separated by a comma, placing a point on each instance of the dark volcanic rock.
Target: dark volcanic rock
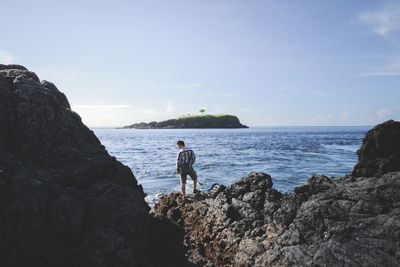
{"x": 380, "y": 151}
{"x": 206, "y": 121}
{"x": 64, "y": 201}
{"x": 326, "y": 222}
{"x": 342, "y": 221}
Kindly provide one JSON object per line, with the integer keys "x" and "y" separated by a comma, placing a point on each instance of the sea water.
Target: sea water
{"x": 289, "y": 154}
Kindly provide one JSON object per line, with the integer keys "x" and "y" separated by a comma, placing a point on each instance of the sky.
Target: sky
{"x": 271, "y": 63}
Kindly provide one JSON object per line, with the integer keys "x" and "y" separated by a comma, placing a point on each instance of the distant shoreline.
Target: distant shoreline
{"x": 252, "y": 127}
{"x": 218, "y": 121}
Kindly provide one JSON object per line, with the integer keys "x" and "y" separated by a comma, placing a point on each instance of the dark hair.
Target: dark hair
{"x": 181, "y": 143}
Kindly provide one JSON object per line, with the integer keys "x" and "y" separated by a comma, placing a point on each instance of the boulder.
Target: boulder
{"x": 380, "y": 151}
{"x": 64, "y": 201}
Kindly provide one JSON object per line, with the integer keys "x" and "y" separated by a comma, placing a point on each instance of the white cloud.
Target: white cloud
{"x": 390, "y": 67}
{"x": 382, "y": 113}
{"x": 170, "y": 108}
{"x": 6, "y": 57}
{"x": 231, "y": 94}
{"x": 380, "y": 73}
{"x": 115, "y": 115}
{"x": 344, "y": 115}
{"x": 385, "y": 20}
{"x": 100, "y": 106}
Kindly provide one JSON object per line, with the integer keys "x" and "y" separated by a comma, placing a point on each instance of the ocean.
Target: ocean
{"x": 289, "y": 154}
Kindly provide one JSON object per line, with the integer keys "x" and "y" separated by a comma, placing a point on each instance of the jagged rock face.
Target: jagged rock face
{"x": 64, "y": 201}
{"x": 343, "y": 221}
{"x": 380, "y": 151}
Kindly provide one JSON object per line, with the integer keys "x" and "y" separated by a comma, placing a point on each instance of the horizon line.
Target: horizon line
{"x": 254, "y": 126}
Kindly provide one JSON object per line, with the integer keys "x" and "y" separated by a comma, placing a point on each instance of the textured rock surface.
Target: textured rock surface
{"x": 64, "y": 201}
{"x": 206, "y": 121}
{"x": 380, "y": 151}
{"x": 342, "y": 221}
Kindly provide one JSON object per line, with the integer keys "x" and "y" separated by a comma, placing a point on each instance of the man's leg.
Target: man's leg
{"x": 183, "y": 186}
{"x": 193, "y": 175}
{"x": 183, "y": 183}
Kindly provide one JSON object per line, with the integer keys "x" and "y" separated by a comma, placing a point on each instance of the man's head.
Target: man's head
{"x": 180, "y": 144}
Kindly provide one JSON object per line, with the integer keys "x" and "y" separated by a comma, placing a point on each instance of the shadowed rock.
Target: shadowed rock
{"x": 64, "y": 201}
{"x": 380, "y": 151}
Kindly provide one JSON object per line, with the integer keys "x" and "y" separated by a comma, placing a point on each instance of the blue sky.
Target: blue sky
{"x": 310, "y": 62}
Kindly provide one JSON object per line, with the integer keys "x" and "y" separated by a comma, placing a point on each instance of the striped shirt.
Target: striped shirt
{"x": 185, "y": 157}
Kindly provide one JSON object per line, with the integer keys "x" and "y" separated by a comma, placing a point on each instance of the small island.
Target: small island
{"x": 192, "y": 122}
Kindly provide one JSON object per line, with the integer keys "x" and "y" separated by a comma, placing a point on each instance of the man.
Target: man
{"x": 184, "y": 166}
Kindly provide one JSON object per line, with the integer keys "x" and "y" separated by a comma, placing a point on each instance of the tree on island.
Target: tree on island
{"x": 201, "y": 111}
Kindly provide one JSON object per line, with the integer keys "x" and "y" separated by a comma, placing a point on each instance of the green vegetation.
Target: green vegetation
{"x": 193, "y": 121}
{"x": 202, "y": 111}
{"x": 204, "y": 116}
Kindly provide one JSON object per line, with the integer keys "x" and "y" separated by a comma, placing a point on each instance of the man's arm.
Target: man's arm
{"x": 193, "y": 157}
{"x": 178, "y": 162}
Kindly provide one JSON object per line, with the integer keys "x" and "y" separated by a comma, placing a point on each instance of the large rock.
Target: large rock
{"x": 380, "y": 151}
{"x": 342, "y": 221}
{"x": 64, "y": 201}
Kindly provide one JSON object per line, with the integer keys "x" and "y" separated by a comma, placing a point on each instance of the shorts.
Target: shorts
{"x": 191, "y": 173}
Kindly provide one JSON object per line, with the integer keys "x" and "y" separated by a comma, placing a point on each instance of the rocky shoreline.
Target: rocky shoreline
{"x": 64, "y": 201}
{"x": 340, "y": 221}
